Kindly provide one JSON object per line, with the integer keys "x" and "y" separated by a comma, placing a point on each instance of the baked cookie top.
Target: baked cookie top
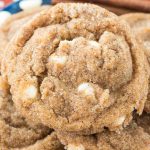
{"x": 140, "y": 24}
{"x": 131, "y": 138}
{"x": 78, "y": 67}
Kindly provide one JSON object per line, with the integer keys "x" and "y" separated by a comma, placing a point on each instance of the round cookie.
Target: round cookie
{"x": 140, "y": 24}
{"x": 131, "y": 138}
{"x": 78, "y": 67}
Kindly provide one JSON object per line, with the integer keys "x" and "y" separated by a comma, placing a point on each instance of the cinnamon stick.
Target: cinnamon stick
{"x": 138, "y": 5}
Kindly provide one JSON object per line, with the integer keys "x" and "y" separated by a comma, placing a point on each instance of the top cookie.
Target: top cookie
{"x": 140, "y": 24}
{"x": 78, "y": 67}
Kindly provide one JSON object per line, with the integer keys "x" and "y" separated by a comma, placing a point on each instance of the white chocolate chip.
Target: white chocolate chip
{"x": 4, "y": 15}
{"x": 86, "y": 89}
{"x": 147, "y": 44}
{"x": 31, "y": 92}
{"x": 120, "y": 120}
{"x": 75, "y": 147}
{"x": 60, "y": 60}
{"x": 94, "y": 44}
{"x": 65, "y": 42}
{"x": 29, "y": 4}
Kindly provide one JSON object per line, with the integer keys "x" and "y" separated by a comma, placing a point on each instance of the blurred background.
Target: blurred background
{"x": 117, "y": 6}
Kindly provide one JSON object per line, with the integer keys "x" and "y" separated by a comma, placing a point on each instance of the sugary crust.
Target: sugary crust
{"x": 140, "y": 24}
{"x": 13, "y": 24}
{"x": 131, "y": 138}
{"x": 77, "y": 142}
{"x": 23, "y": 14}
{"x": 17, "y": 132}
{"x": 137, "y": 20}
{"x": 55, "y": 79}
{"x": 14, "y": 129}
{"x": 50, "y": 142}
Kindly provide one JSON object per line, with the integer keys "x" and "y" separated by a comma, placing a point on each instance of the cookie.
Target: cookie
{"x": 78, "y": 67}
{"x": 140, "y": 24}
{"x": 131, "y": 138}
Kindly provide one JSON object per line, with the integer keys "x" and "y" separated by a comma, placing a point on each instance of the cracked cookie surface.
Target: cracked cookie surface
{"x": 78, "y": 67}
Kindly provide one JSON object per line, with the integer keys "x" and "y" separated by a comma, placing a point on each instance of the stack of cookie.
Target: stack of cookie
{"x": 75, "y": 77}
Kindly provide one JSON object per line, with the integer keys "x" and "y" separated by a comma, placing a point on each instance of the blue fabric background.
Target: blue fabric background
{"x": 14, "y": 7}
